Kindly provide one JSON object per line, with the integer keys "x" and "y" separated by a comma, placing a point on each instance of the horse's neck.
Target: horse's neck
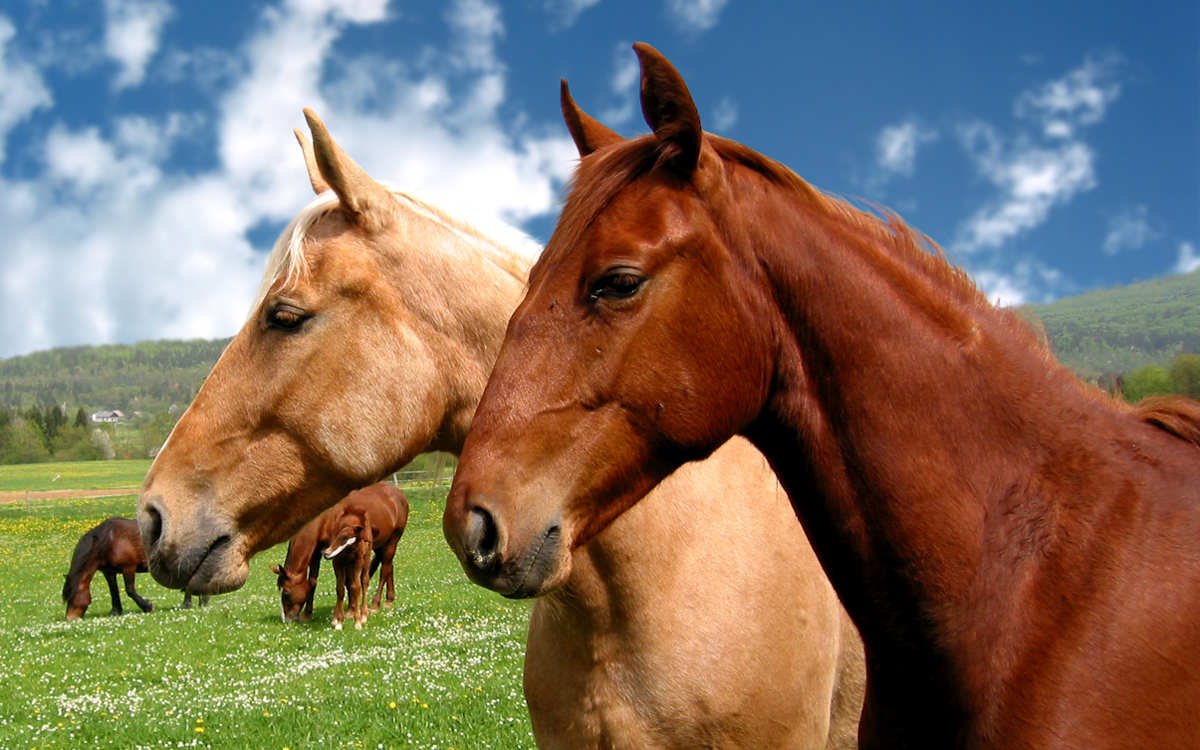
{"x": 467, "y": 295}
{"x": 902, "y": 413}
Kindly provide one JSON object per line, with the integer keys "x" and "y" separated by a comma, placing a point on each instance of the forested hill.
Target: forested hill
{"x": 149, "y": 376}
{"x": 1115, "y": 331}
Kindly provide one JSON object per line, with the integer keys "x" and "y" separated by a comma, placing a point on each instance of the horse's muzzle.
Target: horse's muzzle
{"x": 197, "y": 552}
{"x": 490, "y": 557}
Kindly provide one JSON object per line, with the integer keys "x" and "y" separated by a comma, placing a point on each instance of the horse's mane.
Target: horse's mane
{"x": 1176, "y": 415}
{"x": 83, "y": 553}
{"x": 287, "y": 260}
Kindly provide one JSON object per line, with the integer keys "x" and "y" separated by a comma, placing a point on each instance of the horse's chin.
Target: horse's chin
{"x": 220, "y": 572}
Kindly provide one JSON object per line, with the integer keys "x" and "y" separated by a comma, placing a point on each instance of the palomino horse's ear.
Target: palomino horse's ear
{"x": 368, "y": 202}
{"x": 319, "y": 185}
{"x": 586, "y": 131}
{"x": 669, "y": 110}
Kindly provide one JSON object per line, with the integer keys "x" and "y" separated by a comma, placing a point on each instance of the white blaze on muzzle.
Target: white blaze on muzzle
{"x": 332, "y": 553}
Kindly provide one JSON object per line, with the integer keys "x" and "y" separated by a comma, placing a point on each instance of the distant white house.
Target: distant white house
{"x": 108, "y": 417}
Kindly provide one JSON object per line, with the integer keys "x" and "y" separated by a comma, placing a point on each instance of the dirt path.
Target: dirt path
{"x": 16, "y": 497}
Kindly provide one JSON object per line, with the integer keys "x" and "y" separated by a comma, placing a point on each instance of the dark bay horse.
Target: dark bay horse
{"x": 379, "y": 319}
{"x": 1020, "y": 552}
{"x": 113, "y": 546}
{"x": 386, "y": 509}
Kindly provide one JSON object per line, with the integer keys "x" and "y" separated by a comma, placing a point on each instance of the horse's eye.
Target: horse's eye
{"x": 286, "y": 318}
{"x": 619, "y": 284}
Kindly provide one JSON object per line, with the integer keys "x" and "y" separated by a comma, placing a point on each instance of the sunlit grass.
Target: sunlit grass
{"x": 441, "y": 669}
{"x": 73, "y": 475}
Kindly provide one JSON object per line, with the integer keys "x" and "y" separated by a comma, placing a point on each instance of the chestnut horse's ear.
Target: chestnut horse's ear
{"x": 586, "y": 131}
{"x": 275, "y": 569}
{"x": 319, "y": 185}
{"x": 669, "y": 110}
{"x": 368, "y": 202}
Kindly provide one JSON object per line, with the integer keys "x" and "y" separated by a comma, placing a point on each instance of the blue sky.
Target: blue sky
{"x": 147, "y": 161}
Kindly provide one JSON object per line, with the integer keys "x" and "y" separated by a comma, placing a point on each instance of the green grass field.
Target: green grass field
{"x": 73, "y": 475}
{"x": 441, "y": 669}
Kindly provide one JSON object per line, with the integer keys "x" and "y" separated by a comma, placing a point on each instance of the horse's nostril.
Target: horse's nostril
{"x": 481, "y": 538}
{"x": 151, "y": 527}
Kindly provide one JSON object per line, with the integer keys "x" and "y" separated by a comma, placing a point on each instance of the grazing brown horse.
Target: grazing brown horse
{"x": 113, "y": 546}
{"x": 296, "y": 579}
{"x": 375, "y": 346}
{"x": 1020, "y": 552}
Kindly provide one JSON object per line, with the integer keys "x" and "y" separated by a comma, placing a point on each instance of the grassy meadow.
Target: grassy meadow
{"x": 441, "y": 669}
{"x": 74, "y": 475}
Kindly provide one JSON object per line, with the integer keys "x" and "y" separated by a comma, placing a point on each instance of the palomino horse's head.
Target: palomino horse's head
{"x": 354, "y": 359}
{"x": 294, "y": 589}
{"x": 632, "y": 352}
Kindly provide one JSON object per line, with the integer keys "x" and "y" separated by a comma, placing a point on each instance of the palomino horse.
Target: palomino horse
{"x": 368, "y": 520}
{"x": 386, "y": 506}
{"x": 1020, "y": 552}
{"x": 375, "y": 347}
{"x": 113, "y": 546}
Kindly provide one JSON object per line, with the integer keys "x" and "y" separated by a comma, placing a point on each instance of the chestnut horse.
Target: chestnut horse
{"x": 113, "y": 546}
{"x": 366, "y": 520}
{"x": 386, "y": 506}
{"x": 1020, "y": 552}
{"x": 378, "y": 350}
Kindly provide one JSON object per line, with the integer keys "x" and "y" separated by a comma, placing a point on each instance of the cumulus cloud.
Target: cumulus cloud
{"x": 1130, "y": 229}
{"x": 695, "y": 16}
{"x": 132, "y": 35}
{"x": 1189, "y": 259}
{"x": 1031, "y": 180}
{"x": 144, "y": 248}
{"x": 22, "y": 90}
{"x": 1079, "y": 98}
{"x": 896, "y": 146}
{"x": 564, "y": 13}
{"x": 1034, "y": 174}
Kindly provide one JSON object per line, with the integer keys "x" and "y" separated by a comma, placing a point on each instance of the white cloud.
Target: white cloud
{"x": 1030, "y": 179}
{"x": 147, "y": 250}
{"x": 1019, "y": 283}
{"x": 22, "y": 90}
{"x": 1032, "y": 176}
{"x": 132, "y": 35}
{"x": 1081, "y": 97}
{"x": 626, "y": 75}
{"x": 724, "y": 116}
{"x": 1129, "y": 230}
{"x": 695, "y": 16}
{"x": 896, "y": 146}
{"x": 564, "y": 13}
{"x": 1189, "y": 259}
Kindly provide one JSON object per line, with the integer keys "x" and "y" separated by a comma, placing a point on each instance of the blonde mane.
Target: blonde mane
{"x": 287, "y": 260}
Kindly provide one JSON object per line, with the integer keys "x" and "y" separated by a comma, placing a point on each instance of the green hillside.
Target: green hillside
{"x": 150, "y": 376}
{"x": 1116, "y": 331}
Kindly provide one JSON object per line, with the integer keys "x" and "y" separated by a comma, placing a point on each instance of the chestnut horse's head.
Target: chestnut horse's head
{"x": 370, "y": 341}
{"x": 351, "y": 530}
{"x": 294, "y": 590}
{"x": 636, "y": 348}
